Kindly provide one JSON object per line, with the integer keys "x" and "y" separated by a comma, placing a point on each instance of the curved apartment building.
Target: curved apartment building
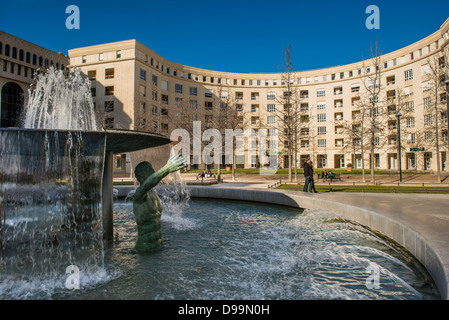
{"x": 135, "y": 88}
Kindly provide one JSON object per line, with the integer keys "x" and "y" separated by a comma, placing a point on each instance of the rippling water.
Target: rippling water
{"x": 236, "y": 250}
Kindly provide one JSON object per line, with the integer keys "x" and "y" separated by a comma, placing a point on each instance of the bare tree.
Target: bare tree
{"x": 435, "y": 104}
{"x": 371, "y": 79}
{"x": 230, "y": 117}
{"x": 288, "y": 116}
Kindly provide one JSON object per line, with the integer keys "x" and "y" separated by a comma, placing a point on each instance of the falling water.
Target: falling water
{"x": 60, "y": 101}
{"x": 50, "y": 192}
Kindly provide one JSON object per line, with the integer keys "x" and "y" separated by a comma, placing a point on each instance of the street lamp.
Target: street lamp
{"x": 399, "y": 115}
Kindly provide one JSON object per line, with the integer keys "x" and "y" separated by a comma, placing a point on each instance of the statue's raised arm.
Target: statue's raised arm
{"x": 148, "y": 179}
{"x": 147, "y": 205}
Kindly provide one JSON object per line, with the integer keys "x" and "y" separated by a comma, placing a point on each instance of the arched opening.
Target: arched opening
{"x": 12, "y": 98}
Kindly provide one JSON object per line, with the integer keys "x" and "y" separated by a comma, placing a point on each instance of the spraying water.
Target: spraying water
{"x": 60, "y": 101}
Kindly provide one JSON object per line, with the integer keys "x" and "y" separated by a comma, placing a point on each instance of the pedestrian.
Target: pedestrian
{"x": 308, "y": 174}
{"x": 311, "y": 181}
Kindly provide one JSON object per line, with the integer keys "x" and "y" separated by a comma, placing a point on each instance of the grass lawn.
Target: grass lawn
{"x": 300, "y": 171}
{"x": 368, "y": 188}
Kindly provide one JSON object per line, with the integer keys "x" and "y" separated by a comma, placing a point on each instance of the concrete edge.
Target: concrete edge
{"x": 395, "y": 230}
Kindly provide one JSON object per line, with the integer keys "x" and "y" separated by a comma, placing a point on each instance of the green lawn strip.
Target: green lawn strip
{"x": 368, "y": 189}
{"x": 300, "y": 171}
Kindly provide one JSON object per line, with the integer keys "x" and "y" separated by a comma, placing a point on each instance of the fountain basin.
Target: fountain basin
{"x": 45, "y": 145}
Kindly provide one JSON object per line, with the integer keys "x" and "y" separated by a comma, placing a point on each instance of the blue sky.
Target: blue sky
{"x": 231, "y": 35}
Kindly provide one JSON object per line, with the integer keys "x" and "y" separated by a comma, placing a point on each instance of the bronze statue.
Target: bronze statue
{"x": 147, "y": 204}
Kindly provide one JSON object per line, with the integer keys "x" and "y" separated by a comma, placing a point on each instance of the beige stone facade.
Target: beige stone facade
{"x": 139, "y": 89}
{"x": 19, "y": 59}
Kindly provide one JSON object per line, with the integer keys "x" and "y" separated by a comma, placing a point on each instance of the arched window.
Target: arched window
{"x": 41, "y": 61}
{"x": 57, "y": 65}
{"x": 14, "y": 52}
{"x": 34, "y": 59}
{"x": 1, "y": 48}
{"x": 62, "y": 67}
{"x": 46, "y": 63}
{"x": 28, "y": 57}
{"x": 21, "y": 55}
{"x": 12, "y": 97}
{"x": 7, "y": 50}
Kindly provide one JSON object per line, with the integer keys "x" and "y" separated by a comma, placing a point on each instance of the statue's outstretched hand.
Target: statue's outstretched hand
{"x": 175, "y": 163}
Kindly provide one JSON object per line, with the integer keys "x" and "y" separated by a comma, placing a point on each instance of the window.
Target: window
{"x": 271, "y": 108}
{"x": 410, "y": 106}
{"x": 408, "y": 75}
{"x": 7, "y": 50}
{"x": 428, "y": 136}
{"x": 321, "y": 143}
{"x": 154, "y": 80}
{"x": 207, "y": 93}
{"x": 143, "y": 107}
{"x": 154, "y": 95}
{"x": 321, "y": 130}
{"x": 208, "y": 105}
{"x": 164, "y": 85}
{"x": 154, "y": 111}
{"x": 193, "y": 91}
{"x": 109, "y": 91}
{"x": 271, "y": 96}
{"x": 339, "y": 142}
{"x": 321, "y": 106}
{"x": 164, "y": 98}
{"x": 410, "y": 122}
{"x": 143, "y": 74}
{"x": 411, "y": 138}
{"x": 304, "y": 132}
{"x": 21, "y": 55}
{"x": 355, "y": 88}
{"x": 109, "y": 73}
{"x": 321, "y": 117}
{"x": 427, "y": 103}
{"x": 92, "y": 75}
{"x": 428, "y": 120}
{"x": 271, "y": 119}
{"x": 143, "y": 91}
{"x": 193, "y": 104}
{"x": 178, "y": 88}
{"x": 321, "y": 93}
{"x": 93, "y": 92}
{"x": 109, "y": 106}
{"x": 109, "y": 123}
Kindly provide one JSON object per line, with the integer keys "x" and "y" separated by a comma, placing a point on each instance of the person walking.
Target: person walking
{"x": 311, "y": 181}
{"x": 308, "y": 174}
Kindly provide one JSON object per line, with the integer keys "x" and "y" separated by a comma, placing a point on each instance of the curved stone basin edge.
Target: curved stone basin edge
{"x": 398, "y": 217}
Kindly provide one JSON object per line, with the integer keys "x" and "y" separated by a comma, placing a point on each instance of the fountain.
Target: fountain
{"x": 56, "y": 209}
{"x": 56, "y": 180}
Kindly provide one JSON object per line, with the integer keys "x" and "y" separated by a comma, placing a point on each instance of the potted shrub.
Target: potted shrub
{"x": 349, "y": 167}
{"x": 228, "y": 167}
{"x": 266, "y": 165}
